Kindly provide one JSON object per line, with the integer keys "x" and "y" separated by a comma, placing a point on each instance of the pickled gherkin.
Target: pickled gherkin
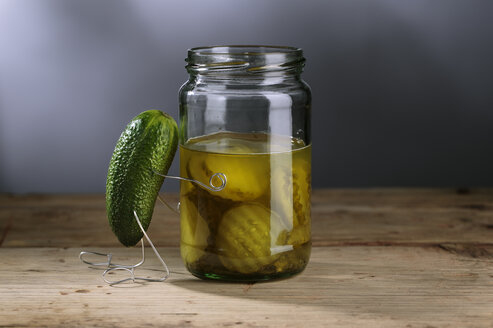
{"x": 290, "y": 196}
{"x": 258, "y": 226}
{"x": 194, "y": 232}
{"x": 247, "y": 237}
{"x": 242, "y": 171}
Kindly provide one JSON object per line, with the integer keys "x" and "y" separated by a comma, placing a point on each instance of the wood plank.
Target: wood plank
{"x": 478, "y": 198}
{"x": 5, "y": 226}
{"x": 340, "y": 217}
{"x": 81, "y": 221}
{"x": 461, "y": 198}
{"x": 342, "y": 286}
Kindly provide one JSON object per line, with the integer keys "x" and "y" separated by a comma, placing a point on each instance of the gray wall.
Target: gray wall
{"x": 402, "y": 89}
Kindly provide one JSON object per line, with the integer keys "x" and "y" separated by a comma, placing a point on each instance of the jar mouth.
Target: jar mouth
{"x": 247, "y": 50}
{"x": 244, "y": 59}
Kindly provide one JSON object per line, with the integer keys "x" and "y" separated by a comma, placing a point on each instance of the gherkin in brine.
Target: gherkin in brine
{"x": 250, "y": 237}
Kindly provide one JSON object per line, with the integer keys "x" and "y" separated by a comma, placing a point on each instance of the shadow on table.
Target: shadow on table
{"x": 298, "y": 289}
{"x": 368, "y": 289}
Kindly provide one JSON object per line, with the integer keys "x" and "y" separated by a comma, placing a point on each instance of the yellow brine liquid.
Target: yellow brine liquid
{"x": 258, "y": 226}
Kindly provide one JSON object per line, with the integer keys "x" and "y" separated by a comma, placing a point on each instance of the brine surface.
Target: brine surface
{"x": 258, "y": 226}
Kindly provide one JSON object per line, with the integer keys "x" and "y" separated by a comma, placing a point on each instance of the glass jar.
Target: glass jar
{"x": 245, "y": 113}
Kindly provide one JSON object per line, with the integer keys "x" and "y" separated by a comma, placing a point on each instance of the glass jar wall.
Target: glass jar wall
{"x": 245, "y": 113}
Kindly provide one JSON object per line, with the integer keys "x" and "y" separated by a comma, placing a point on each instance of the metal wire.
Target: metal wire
{"x": 130, "y": 268}
{"x": 211, "y": 186}
{"x": 164, "y": 202}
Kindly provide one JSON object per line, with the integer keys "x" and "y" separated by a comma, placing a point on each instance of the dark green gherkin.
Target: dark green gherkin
{"x": 148, "y": 143}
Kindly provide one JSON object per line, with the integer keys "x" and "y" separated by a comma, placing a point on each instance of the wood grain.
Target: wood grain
{"x": 339, "y": 217}
{"x": 411, "y": 258}
{"x": 342, "y": 287}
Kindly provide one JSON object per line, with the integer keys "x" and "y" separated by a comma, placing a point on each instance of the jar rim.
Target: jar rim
{"x": 252, "y": 60}
{"x": 251, "y": 50}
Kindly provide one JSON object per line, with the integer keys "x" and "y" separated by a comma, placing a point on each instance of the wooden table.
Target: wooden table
{"x": 381, "y": 258}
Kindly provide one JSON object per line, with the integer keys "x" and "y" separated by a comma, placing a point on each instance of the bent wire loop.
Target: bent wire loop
{"x": 110, "y": 267}
{"x": 211, "y": 186}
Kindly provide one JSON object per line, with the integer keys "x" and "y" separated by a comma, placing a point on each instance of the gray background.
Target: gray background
{"x": 402, "y": 90}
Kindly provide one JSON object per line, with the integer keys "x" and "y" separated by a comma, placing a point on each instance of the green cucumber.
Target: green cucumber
{"x": 147, "y": 144}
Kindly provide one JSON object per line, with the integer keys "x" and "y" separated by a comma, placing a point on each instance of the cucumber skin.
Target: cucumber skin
{"x": 148, "y": 143}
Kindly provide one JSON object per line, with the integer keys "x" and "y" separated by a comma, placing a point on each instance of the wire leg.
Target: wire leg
{"x": 129, "y": 268}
